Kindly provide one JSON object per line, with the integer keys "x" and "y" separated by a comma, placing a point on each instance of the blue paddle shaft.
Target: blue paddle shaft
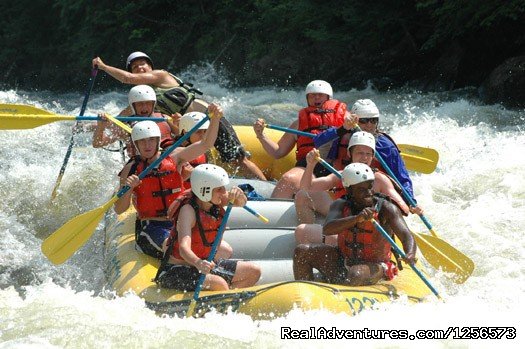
{"x": 290, "y": 130}
{"x": 165, "y": 154}
{"x": 120, "y": 118}
{"x": 69, "y": 150}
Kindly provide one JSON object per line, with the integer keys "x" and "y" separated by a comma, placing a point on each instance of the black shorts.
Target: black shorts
{"x": 228, "y": 144}
{"x": 319, "y": 169}
{"x": 185, "y": 277}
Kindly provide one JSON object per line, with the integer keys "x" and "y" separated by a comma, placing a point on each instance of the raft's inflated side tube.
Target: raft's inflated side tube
{"x": 272, "y": 168}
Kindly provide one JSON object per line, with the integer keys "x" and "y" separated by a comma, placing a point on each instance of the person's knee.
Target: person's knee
{"x": 300, "y": 234}
{"x": 225, "y": 250}
{"x": 301, "y": 252}
{"x": 357, "y": 276}
{"x": 254, "y": 272}
{"x": 289, "y": 178}
{"x": 217, "y": 283}
{"x": 302, "y": 199}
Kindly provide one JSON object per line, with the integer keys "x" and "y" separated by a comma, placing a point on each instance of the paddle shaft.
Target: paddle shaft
{"x": 256, "y": 214}
{"x": 72, "y": 139}
{"x": 290, "y": 130}
{"x": 210, "y": 258}
{"x": 120, "y": 118}
{"x": 403, "y": 255}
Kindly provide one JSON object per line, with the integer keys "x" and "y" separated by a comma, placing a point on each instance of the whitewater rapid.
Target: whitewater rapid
{"x": 475, "y": 199}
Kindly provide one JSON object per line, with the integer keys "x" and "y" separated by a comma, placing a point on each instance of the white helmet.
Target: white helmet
{"x": 136, "y": 55}
{"x": 319, "y": 86}
{"x": 144, "y": 129}
{"x": 365, "y": 108}
{"x": 189, "y": 120}
{"x": 207, "y": 177}
{"x": 356, "y": 173}
{"x": 362, "y": 138}
{"x": 141, "y": 93}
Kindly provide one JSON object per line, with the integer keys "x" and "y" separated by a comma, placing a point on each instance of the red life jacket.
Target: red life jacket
{"x": 203, "y": 232}
{"x": 158, "y": 189}
{"x": 315, "y": 120}
{"x": 363, "y": 243}
{"x": 202, "y": 159}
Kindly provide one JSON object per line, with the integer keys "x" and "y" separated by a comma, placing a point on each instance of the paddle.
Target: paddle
{"x": 60, "y": 245}
{"x": 23, "y": 117}
{"x": 210, "y": 258}
{"x": 75, "y": 128}
{"x": 119, "y": 123}
{"x": 256, "y": 214}
{"x": 424, "y": 159}
{"x": 437, "y": 252}
{"x": 416, "y": 158}
{"x": 403, "y": 255}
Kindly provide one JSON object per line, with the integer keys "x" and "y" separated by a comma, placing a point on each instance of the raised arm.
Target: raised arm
{"x": 101, "y": 139}
{"x": 153, "y": 78}
{"x": 194, "y": 150}
{"x": 279, "y": 149}
{"x": 309, "y": 182}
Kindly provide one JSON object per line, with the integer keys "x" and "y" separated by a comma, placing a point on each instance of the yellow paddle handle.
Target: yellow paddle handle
{"x": 118, "y": 123}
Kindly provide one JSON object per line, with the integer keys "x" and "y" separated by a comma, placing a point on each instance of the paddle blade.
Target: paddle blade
{"x": 191, "y": 308}
{"x": 61, "y": 245}
{"x": 419, "y": 159}
{"x": 440, "y": 254}
{"x": 21, "y": 117}
{"x": 119, "y": 123}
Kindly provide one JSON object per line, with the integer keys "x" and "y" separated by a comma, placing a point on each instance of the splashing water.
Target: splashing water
{"x": 475, "y": 200}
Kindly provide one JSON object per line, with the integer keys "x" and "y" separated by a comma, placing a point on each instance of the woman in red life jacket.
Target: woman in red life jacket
{"x": 196, "y": 226}
{"x": 362, "y": 255}
{"x": 314, "y": 196}
{"x": 142, "y": 101}
{"x": 321, "y": 113}
{"x": 153, "y": 195}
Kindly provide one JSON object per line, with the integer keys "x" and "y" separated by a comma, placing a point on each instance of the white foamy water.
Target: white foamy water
{"x": 475, "y": 200}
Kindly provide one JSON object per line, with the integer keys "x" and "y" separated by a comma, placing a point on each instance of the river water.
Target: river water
{"x": 475, "y": 200}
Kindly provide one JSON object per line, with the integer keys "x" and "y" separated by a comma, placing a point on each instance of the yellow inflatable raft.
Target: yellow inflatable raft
{"x": 272, "y": 168}
{"x": 268, "y": 245}
{"x": 271, "y": 247}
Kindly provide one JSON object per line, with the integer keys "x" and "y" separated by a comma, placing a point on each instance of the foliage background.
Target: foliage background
{"x": 431, "y": 44}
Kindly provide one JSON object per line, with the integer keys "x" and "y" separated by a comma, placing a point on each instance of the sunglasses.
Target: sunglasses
{"x": 368, "y": 120}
